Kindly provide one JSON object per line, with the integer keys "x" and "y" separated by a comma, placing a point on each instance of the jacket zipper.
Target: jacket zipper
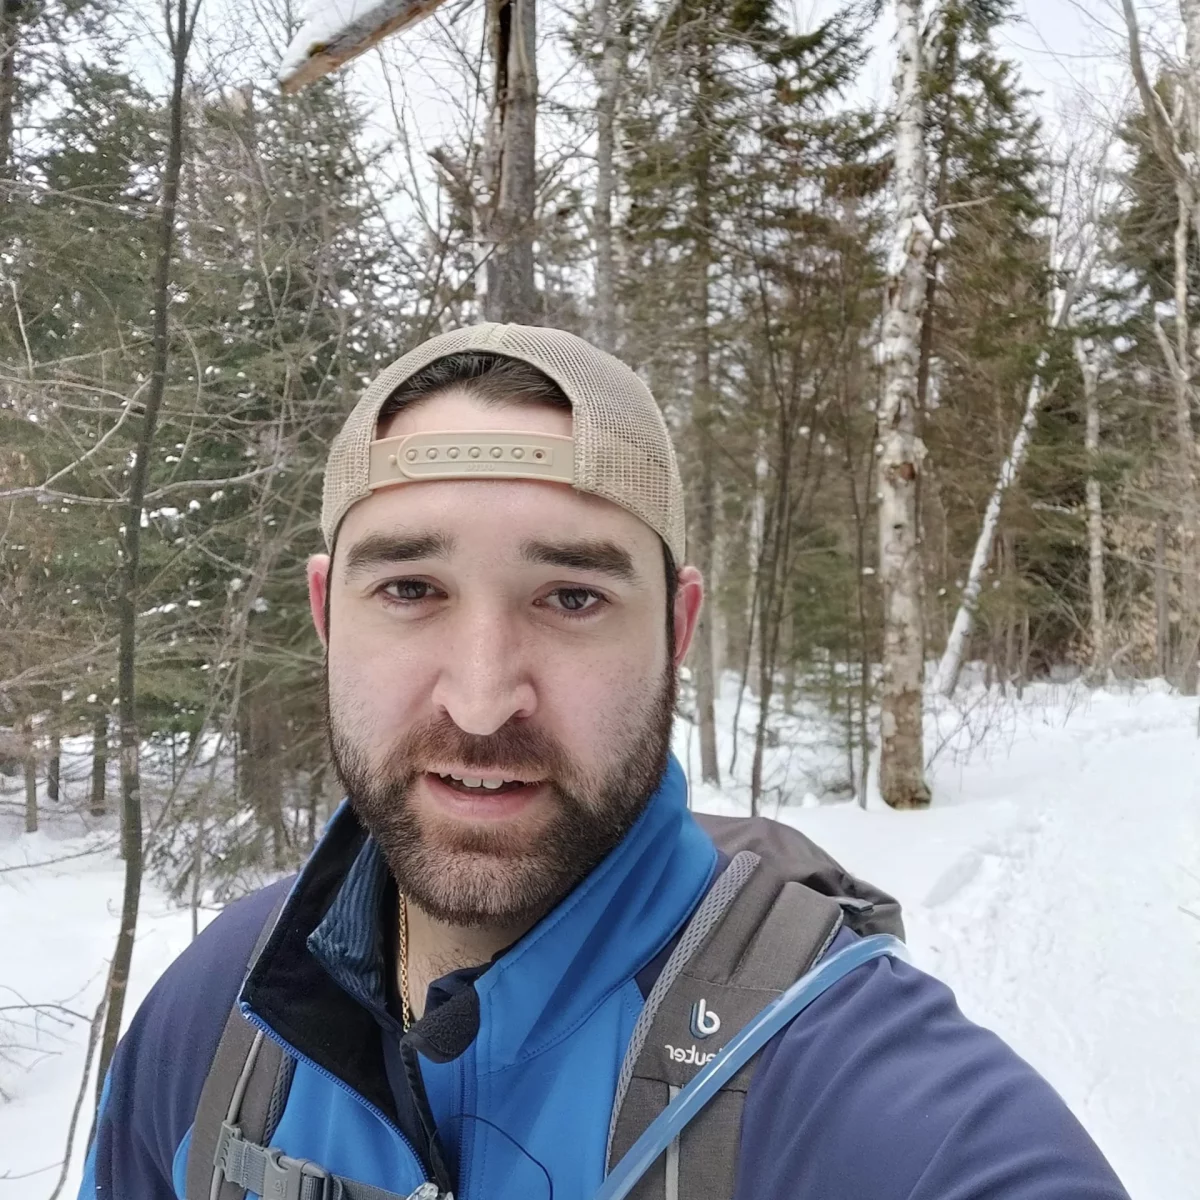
{"x": 266, "y": 1029}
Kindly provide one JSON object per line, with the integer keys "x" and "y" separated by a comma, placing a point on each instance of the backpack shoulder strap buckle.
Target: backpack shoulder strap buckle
{"x": 296, "y": 1179}
{"x": 270, "y": 1172}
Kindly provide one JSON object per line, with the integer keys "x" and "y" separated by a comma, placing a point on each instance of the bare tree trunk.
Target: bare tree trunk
{"x": 1095, "y": 510}
{"x": 1162, "y": 599}
{"x": 316, "y": 789}
{"x": 1189, "y": 624}
{"x": 608, "y": 79}
{"x": 96, "y": 798}
{"x": 1189, "y": 676}
{"x": 181, "y": 20}
{"x": 772, "y": 594}
{"x": 9, "y": 10}
{"x": 54, "y": 763}
{"x": 902, "y": 754}
{"x": 30, "y": 768}
{"x": 511, "y": 294}
{"x": 262, "y": 777}
{"x": 946, "y": 69}
{"x": 703, "y": 417}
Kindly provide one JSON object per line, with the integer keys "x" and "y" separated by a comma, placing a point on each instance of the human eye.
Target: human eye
{"x": 576, "y": 602}
{"x": 406, "y": 593}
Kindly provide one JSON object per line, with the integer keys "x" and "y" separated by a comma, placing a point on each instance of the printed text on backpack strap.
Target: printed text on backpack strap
{"x": 772, "y": 931}
{"x": 243, "y": 1086}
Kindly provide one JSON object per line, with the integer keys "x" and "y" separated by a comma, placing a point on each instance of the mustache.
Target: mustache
{"x": 515, "y": 748}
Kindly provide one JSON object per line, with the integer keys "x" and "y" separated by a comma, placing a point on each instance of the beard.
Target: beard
{"x": 492, "y": 874}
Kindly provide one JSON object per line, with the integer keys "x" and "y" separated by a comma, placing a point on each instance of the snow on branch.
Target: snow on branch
{"x": 335, "y": 31}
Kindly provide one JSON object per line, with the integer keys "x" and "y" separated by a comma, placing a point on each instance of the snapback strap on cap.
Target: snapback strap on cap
{"x": 471, "y": 454}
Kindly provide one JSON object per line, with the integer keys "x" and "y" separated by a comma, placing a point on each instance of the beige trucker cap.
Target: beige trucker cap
{"x": 619, "y": 448}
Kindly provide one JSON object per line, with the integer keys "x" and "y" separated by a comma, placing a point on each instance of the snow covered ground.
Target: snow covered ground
{"x": 1055, "y": 885}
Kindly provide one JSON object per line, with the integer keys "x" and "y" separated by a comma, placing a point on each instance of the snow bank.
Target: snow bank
{"x": 1055, "y": 886}
{"x": 58, "y": 923}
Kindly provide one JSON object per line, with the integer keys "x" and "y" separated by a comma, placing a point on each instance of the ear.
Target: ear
{"x": 689, "y": 596}
{"x": 318, "y": 591}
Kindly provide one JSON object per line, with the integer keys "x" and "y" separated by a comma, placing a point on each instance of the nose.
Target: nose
{"x": 485, "y": 680}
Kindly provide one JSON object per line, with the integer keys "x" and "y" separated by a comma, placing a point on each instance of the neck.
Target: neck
{"x": 435, "y": 948}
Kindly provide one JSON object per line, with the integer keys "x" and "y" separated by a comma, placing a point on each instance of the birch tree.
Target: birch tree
{"x": 1089, "y": 371}
{"x": 902, "y": 756}
{"x": 1073, "y": 251}
{"x": 950, "y": 666}
{"x": 608, "y": 34}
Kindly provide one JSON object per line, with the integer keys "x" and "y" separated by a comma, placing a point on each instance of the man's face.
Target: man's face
{"x": 500, "y": 687}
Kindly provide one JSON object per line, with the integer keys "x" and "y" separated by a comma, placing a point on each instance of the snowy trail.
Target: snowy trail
{"x": 1072, "y": 933}
{"x": 58, "y": 924}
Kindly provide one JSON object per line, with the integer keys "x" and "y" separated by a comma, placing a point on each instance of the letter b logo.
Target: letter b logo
{"x": 705, "y": 1022}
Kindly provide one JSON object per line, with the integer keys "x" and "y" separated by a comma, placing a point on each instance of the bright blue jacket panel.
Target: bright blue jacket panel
{"x": 882, "y": 1090}
{"x": 555, "y": 1014}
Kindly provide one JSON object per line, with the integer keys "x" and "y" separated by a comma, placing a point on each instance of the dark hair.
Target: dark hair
{"x": 492, "y": 379}
{"x": 496, "y": 380}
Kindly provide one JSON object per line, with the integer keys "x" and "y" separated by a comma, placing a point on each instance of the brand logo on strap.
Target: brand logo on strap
{"x": 692, "y": 1055}
{"x": 705, "y": 1022}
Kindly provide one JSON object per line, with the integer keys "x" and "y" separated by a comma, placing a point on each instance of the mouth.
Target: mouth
{"x": 490, "y": 795}
{"x": 484, "y": 784}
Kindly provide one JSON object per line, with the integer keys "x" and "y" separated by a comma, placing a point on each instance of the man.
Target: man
{"x": 454, "y": 981}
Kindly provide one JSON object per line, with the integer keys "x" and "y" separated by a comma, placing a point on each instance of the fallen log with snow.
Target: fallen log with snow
{"x": 335, "y": 31}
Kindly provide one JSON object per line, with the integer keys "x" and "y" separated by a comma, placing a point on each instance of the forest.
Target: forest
{"x": 930, "y": 366}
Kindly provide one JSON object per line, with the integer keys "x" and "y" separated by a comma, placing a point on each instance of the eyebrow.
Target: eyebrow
{"x": 604, "y": 558}
{"x": 383, "y": 549}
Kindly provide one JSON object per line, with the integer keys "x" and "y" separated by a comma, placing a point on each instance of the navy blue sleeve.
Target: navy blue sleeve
{"x": 883, "y": 1090}
{"x": 160, "y": 1065}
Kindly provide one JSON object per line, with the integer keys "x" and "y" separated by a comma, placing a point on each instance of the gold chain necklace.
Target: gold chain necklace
{"x": 406, "y": 1014}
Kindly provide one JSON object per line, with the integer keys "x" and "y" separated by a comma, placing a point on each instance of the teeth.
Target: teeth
{"x": 473, "y": 781}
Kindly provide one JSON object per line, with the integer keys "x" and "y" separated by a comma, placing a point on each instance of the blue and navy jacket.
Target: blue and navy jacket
{"x": 881, "y": 1090}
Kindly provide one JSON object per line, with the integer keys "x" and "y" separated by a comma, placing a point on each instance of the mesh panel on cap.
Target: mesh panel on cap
{"x": 622, "y": 449}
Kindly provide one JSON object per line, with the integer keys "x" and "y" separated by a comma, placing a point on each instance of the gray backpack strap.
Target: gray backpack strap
{"x": 246, "y": 1086}
{"x": 752, "y": 937}
{"x": 240, "y": 1105}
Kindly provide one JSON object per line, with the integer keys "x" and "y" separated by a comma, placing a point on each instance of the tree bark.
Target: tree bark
{"x": 54, "y": 765}
{"x": 947, "y": 70}
{"x": 261, "y": 738}
{"x": 608, "y": 78}
{"x": 180, "y": 17}
{"x": 1183, "y": 372}
{"x": 316, "y": 791}
{"x": 9, "y": 10}
{"x": 1095, "y": 509}
{"x": 512, "y": 164}
{"x": 30, "y": 770}
{"x": 96, "y": 797}
{"x": 902, "y": 754}
{"x": 703, "y": 416}
{"x": 1162, "y": 599}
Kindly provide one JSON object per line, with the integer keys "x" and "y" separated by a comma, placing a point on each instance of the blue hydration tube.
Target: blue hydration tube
{"x": 751, "y": 1038}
